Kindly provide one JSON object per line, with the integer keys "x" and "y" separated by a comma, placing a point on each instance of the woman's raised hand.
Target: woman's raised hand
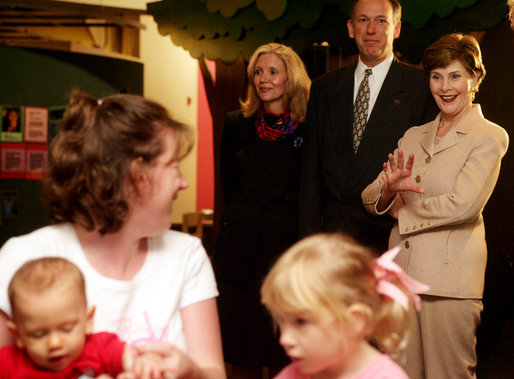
{"x": 397, "y": 176}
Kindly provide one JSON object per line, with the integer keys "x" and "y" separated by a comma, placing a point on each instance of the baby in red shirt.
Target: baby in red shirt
{"x": 52, "y": 327}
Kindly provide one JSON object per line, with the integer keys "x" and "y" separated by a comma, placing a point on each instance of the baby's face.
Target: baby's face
{"x": 52, "y": 326}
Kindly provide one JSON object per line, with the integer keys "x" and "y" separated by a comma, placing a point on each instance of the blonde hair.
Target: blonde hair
{"x": 298, "y": 84}
{"x": 38, "y": 276}
{"x": 510, "y": 3}
{"x": 330, "y": 272}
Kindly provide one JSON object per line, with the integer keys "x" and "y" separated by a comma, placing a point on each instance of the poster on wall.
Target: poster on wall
{"x": 12, "y": 160}
{"x": 12, "y": 123}
{"x": 36, "y": 124}
{"x": 36, "y": 161}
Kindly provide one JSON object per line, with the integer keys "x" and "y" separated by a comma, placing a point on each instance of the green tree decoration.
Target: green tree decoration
{"x": 224, "y": 29}
{"x": 226, "y": 8}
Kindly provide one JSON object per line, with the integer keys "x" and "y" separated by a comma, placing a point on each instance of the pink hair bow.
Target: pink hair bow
{"x": 386, "y": 270}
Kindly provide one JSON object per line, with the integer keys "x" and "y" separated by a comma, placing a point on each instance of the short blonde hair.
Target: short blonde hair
{"x": 298, "y": 83}
{"x": 40, "y": 275}
{"x": 330, "y": 272}
{"x": 510, "y": 3}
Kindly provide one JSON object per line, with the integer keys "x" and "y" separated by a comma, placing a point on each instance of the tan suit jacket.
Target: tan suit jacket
{"x": 441, "y": 232}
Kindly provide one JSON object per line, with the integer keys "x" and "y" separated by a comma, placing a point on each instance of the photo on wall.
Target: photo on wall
{"x": 10, "y": 202}
{"x": 12, "y": 123}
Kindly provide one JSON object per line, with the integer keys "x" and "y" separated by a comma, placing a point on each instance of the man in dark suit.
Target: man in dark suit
{"x": 342, "y": 155}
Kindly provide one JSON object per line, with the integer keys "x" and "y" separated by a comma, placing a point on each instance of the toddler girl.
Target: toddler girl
{"x": 339, "y": 311}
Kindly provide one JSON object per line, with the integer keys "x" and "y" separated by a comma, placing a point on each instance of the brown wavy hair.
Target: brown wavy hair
{"x": 455, "y": 46}
{"x": 298, "y": 84}
{"x": 89, "y": 182}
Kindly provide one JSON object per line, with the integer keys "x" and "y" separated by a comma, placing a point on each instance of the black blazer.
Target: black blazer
{"x": 260, "y": 186}
{"x": 333, "y": 177}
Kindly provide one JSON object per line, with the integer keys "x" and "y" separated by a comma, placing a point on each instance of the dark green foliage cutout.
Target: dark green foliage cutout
{"x": 223, "y": 29}
{"x": 226, "y": 8}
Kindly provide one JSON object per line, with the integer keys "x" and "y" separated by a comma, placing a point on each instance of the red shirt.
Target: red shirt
{"x": 102, "y": 354}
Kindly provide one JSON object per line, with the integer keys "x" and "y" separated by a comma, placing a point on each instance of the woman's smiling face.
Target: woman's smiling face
{"x": 452, "y": 88}
{"x": 269, "y": 79}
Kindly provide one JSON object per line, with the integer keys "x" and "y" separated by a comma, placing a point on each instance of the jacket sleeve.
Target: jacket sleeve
{"x": 310, "y": 196}
{"x": 471, "y": 190}
{"x": 371, "y": 194}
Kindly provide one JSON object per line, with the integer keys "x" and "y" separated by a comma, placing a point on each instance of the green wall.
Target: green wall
{"x": 44, "y": 78}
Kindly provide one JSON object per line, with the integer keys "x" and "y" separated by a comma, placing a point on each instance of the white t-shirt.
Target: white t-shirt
{"x": 175, "y": 274}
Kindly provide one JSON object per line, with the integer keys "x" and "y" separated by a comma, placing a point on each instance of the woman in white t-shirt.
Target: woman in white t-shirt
{"x": 111, "y": 186}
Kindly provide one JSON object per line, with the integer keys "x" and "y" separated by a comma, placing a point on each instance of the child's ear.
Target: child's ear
{"x": 15, "y": 332}
{"x": 89, "y": 319}
{"x": 361, "y": 315}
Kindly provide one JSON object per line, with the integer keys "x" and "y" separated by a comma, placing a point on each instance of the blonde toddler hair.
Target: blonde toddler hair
{"x": 330, "y": 272}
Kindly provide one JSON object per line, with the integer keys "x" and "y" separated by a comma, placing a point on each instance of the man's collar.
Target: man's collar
{"x": 379, "y": 71}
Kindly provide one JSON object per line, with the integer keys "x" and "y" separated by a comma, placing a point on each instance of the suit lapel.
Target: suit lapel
{"x": 463, "y": 126}
{"x": 341, "y": 119}
{"x": 387, "y": 107}
{"x": 427, "y": 141}
{"x": 449, "y": 140}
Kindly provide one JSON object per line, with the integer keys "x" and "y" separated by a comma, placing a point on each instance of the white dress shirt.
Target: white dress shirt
{"x": 375, "y": 80}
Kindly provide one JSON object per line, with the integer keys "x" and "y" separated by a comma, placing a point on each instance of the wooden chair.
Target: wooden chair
{"x": 193, "y": 222}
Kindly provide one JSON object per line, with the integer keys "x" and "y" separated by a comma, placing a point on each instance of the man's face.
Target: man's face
{"x": 374, "y": 30}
